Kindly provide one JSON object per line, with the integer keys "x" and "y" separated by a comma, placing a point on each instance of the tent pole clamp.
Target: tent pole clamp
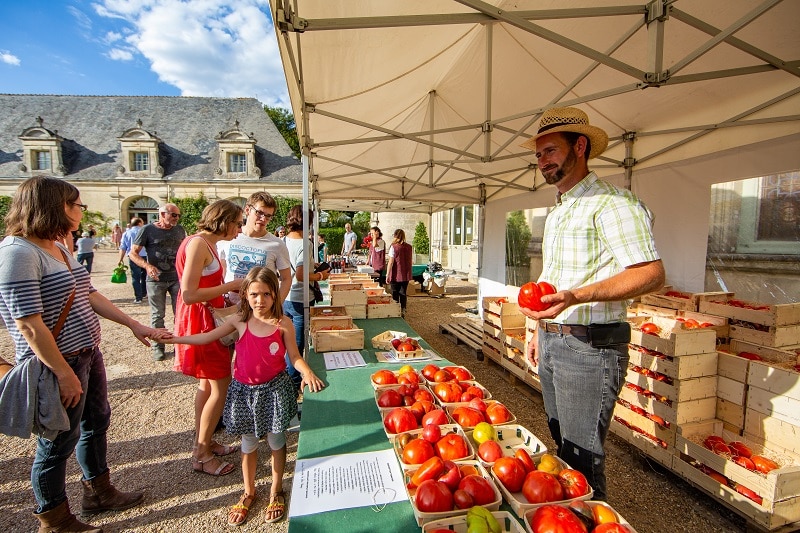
{"x": 655, "y": 79}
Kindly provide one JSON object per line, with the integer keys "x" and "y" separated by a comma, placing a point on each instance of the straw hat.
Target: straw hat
{"x": 569, "y": 119}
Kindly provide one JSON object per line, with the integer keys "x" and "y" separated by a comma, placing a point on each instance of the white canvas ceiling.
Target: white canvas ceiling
{"x": 421, "y": 105}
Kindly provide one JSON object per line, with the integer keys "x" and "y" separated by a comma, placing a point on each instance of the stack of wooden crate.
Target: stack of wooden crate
{"x": 505, "y": 338}
{"x": 351, "y": 295}
{"x": 671, "y": 381}
{"x": 331, "y": 329}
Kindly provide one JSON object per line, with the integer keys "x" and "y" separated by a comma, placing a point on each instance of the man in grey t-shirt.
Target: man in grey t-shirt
{"x": 350, "y": 239}
{"x": 161, "y": 240}
{"x": 256, "y": 246}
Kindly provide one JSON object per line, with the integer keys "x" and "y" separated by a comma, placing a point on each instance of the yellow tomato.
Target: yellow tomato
{"x": 604, "y": 515}
{"x": 483, "y": 431}
{"x": 405, "y": 369}
{"x": 549, "y": 463}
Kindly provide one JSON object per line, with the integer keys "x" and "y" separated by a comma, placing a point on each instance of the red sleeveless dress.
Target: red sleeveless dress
{"x": 209, "y": 361}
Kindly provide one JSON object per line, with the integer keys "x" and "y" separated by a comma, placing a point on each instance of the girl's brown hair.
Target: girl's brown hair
{"x": 268, "y": 278}
{"x": 38, "y": 209}
{"x": 294, "y": 218}
{"x": 217, "y": 216}
{"x": 399, "y": 236}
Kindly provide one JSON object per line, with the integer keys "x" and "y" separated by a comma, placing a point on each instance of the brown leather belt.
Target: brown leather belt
{"x": 79, "y": 352}
{"x": 576, "y": 330}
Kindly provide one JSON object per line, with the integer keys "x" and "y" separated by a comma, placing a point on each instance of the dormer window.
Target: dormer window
{"x": 42, "y": 151}
{"x": 139, "y": 153}
{"x": 237, "y": 154}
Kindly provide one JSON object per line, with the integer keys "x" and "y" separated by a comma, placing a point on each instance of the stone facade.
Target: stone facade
{"x": 128, "y": 154}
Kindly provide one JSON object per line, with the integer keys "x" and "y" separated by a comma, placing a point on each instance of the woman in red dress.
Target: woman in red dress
{"x": 201, "y": 275}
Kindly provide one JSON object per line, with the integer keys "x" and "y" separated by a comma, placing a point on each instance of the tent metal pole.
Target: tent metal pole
{"x": 629, "y": 138}
{"x": 306, "y": 254}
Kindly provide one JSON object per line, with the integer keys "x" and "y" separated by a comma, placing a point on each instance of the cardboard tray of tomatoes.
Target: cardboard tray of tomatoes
{"x": 399, "y": 442}
{"x": 410, "y": 354}
{"x": 458, "y": 524}
{"x": 608, "y": 514}
{"x": 381, "y": 390}
{"x": 397, "y": 374}
{"x": 460, "y": 373}
{"x": 384, "y": 340}
{"x": 424, "y": 518}
{"x": 449, "y": 408}
{"x": 464, "y": 386}
{"x": 511, "y": 438}
{"x": 385, "y": 412}
{"x": 520, "y": 505}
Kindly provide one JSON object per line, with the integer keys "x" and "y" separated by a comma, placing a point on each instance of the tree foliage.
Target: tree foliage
{"x": 5, "y": 203}
{"x": 191, "y": 210}
{"x": 98, "y": 220}
{"x": 361, "y": 224}
{"x": 518, "y": 235}
{"x": 421, "y": 242}
{"x": 284, "y": 121}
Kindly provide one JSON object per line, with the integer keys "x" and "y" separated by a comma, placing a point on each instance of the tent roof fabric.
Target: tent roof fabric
{"x": 421, "y": 105}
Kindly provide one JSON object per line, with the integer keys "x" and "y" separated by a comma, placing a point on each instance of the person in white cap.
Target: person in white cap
{"x": 598, "y": 250}
{"x": 86, "y": 251}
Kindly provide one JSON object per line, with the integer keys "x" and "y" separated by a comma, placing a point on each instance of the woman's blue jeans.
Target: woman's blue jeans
{"x": 89, "y": 421}
{"x": 580, "y": 386}
{"x": 294, "y": 310}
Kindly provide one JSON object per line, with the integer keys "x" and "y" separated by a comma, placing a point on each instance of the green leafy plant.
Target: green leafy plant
{"x": 421, "y": 242}
{"x": 191, "y": 210}
{"x": 361, "y": 224}
{"x": 284, "y": 121}
{"x": 5, "y": 203}
{"x": 518, "y": 235}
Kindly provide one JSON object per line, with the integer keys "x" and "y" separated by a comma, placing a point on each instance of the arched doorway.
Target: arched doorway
{"x": 143, "y": 207}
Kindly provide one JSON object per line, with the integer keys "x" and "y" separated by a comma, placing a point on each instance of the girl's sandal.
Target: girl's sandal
{"x": 222, "y": 470}
{"x": 237, "y": 515}
{"x": 220, "y": 449}
{"x": 276, "y": 508}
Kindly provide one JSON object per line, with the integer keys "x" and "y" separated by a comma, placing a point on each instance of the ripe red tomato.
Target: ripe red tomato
{"x": 430, "y": 469}
{"x": 530, "y": 295}
{"x": 476, "y": 392}
{"x": 744, "y": 462}
{"x": 447, "y": 392}
{"x": 437, "y": 416}
{"x": 573, "y": 482}
{"x": 459, "y": 372}
{"x": 400, "y": 420}
{"x": 452, "y": 447}
{"x": 467, "y": 416}
{"x": 497, "y": 413}
{"x": 423, "y": 394}
{"x": 451, "y": 475}
{"x": 744, "y": 491}
{"x": 490, "y": 451}
{"x": 510, "y": 472}
{"x": 740, "y": 448}
{"x": 411, "y": 378}
{"x": 555, "y": 519}
{"x": 428, "y": 371}
{"x": 763, "y": 464}
{"x": 433, "y": 497}
{"x": 442, "y": 375}
{"x": 463, "y": 501}
{"x": 479, "y": 488}
{"x": 526, "y": 459}
{"x": 384, "y": 377}
{"x": 390, "y": 398}
{"x": 406, "y": 346}
{"x": 541, "y": 487}
{"x": 417, "y": 452}
{"x": 431, "y": 433}
{"x": 711, "y": 439}
{"x": 650, "y": 328}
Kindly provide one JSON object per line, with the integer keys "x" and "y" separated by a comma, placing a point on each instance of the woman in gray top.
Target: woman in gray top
{"x": 38, "y": 279}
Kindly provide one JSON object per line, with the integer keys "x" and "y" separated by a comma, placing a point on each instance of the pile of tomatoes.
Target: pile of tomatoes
{"x": 478, "y": 411}
{"x": 543, "y": 482}
{"x": 740, "y": 453}
{"x": 577, "y": 517}
{"x": 441, "y": 486}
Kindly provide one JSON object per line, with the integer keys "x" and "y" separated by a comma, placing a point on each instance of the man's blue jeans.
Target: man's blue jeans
{"x": 89, "y": 421}
{"x": 139, "y": 280}
{"x": 157, "y": 298}
{"x": 580, "y": 386}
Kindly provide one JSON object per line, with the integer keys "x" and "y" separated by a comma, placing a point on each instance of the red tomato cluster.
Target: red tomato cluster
{"x": 443, "y": 486}
{"x": 453, "y": 391}
{"x": 691, "y": 323}
{"x": 747, "y": 305}
{"x": 738, "y": 487}
{"x": 403, "y": 395}
{"x": 538, "y": 485}
{"x": 435, "y": 374}
{"x": 740, "y": 453}
{"x": 478, "y": 411}
{"x": 578, "y": 517}
{"x": 650, "y": 328}
{"x": 530, "y": 295}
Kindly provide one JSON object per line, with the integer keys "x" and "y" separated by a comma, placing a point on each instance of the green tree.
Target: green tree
{"x": 98, "y": 220}
{"x": 191, "y": 210}
{"x": 421, "y": 242}
{"x": 361, "y": 224}
{"x": 284, "y": 121}
{"x": 5, "y": 203}
{"x": 518, "y": 235}
{"x": 283, "y": 205}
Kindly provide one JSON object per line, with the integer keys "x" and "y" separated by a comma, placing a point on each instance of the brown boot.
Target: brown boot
{"x": 61, "y": 520}
{"x": 100, "y": 495}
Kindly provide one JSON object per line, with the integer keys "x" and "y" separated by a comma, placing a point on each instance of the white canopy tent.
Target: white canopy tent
{"x": 420, "y": 105}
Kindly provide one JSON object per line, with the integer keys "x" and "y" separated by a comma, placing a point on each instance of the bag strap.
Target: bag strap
{"x": 63, "y": 316}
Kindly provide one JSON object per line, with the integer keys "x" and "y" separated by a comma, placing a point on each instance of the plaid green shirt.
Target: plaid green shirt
{"x": 595, "y": 231}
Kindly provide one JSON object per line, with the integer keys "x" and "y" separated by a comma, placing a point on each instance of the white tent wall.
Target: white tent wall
{"x": 679, "y": 195}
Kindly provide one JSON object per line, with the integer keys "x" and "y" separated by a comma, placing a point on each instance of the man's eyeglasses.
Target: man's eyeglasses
{"x": 173, "y": 215}
{"x": 261, "y": 214}
{"x": 83, "y": 207}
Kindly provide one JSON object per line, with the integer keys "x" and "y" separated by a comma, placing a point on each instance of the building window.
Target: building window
{"x": 462, "y": 225}
{"x": 42, "y": 161}
{"x": 769, "y": 215}
{"x": 141, "y": 161}
{"x": 237, "y": 163}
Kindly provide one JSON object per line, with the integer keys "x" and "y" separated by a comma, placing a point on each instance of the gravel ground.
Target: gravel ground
{"x": 152, "y": 425}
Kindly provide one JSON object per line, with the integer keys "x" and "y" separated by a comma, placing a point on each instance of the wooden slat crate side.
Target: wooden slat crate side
{"x": 731, "y": 390}
{"x": 772, "y": 516}
{"x": 679, "y": 367}
{"x": 347, "y": 298}
{"x": 643, "y": 309}
{"x": 491, "y": 352}
{"x": 732, "y": 366}
{"x": 388, "y": 310}
{"x": 336, "y": 341}
{"x": 781, "y": 407}
{"x": 664, "y": 456}
{"x": 672, "y": 302}
{"x": 680, "y": 391}
{"x": 492, "y": 330}
{"x": 326, "y": 311}
{"x": 674, "y": 339}
{"x": 775, "y": 315}
{"x": 731, "y": 413}
{"x": 780, "y": 381}
{"x": 772, "y": 432}
{"x": 644, "y": 423}
{"x": 319, "y": 322}
{"x": 493, "y": 319}
{"x": 358, "y": 311}
{"x": 515, "y": 337}
{"x": 495, "y": 343}
{"x": 677, "y": 413}
{"x": 776, "y": 337}
{"x": 768, "y": 353}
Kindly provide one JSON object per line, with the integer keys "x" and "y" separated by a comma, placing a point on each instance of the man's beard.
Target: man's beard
{"x": 566, "y": 167}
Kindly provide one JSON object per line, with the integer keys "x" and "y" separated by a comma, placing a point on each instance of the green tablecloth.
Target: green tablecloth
{"x": 417, "y": 270}
{"x": 343, "y": 418}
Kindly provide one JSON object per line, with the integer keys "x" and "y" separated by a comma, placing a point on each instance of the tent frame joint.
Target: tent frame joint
{"x": 657, "y": 10}
{"x": 656, "y": 79}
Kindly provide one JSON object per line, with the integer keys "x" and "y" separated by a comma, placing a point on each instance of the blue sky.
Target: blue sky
{"x": 141, "y": 47}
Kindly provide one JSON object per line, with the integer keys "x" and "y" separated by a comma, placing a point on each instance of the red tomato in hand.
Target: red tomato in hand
{"x": 541, "y": 487}
{"x": 555, "y": 519}
{"x": 573, "y": 482}
{"x": 511, "y": 473}
{"x": 530, "y": 295}
{"x": 433, "y": 497}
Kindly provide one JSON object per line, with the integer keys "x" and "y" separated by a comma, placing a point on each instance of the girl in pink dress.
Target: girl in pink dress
{"x": 261, "y": 399}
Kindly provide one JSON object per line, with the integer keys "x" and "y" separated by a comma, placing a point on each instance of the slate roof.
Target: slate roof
{"x": 187, "y": 127}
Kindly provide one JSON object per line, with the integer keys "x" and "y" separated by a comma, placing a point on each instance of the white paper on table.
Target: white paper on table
{"x": 337, "y": 360}
{"x": 369, "y": 479}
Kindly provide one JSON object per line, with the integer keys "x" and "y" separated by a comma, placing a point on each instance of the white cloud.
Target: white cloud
{"x": 118, "y": 54}
{"x": 112, "y": 37}
{"x": 9, "y": 58}
{"x": 205, "y": 47}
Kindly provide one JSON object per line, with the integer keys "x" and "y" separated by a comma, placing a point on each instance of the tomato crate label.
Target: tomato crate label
{"x": 755, "y": 312}
{"x": 677, "y": 367}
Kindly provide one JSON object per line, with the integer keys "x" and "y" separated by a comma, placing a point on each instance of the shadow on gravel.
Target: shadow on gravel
{"x": 155, "y": 381}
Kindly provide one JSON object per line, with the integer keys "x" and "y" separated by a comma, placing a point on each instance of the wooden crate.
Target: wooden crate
{"x": 492, "y": 330}
{"x": 772, "y": 432}
{"x": 732, "y": 366}
{"x": 679, "y": 391}
{"x": 776, "y": 337}
{"x": 348, "y": 297}
{"x": 731, "y": 390}
{"x": 387, "y": 310}
{"x": 664, "y": 456}
{"x": 775, "y": 355}
{"x": 337, "y": 341}
{"x": 515, "y": 338}
{"x": 770, "y": 315}
{"x": 491, "y": 352}
{"x": 731, "y": 414}
{"x": 674, "y": 339}
{"x": 780, "y": 406}
{"x": 677, "y": 413}
{"x": 326, "y": 311}
{"x": 680, "y": 367}
{"x": 648, "y": 426}
{"x": 494, "y": 342}
{"x": 330, "y": 322}
{"x": 358, "y": 311}
{"x": 780, "y": 380}
{"x": 643, "y": 309}
{"x": 684, "y": 302}
{"x": 503, "y": 314}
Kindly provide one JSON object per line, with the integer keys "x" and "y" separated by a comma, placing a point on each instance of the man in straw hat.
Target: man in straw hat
{"x": 599, "y": 251}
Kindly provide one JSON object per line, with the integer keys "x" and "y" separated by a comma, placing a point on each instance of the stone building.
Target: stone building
{"x": 128, "y": 154}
